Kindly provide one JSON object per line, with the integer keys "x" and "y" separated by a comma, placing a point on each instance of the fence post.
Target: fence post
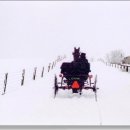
{"x": 42, "y": 72}
{"x": 5, "y": 83}
{"x": 52, "y": 65}
{"x": 49, "y": 67}
{"x": 23, "y": 77}
{"x": 126, "y": 68}
{"x": 34, "y": 74}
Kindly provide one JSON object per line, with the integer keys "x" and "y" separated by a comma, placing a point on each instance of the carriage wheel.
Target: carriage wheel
{"x": 95, "y": 87}
{"x": 90, "y": 82}
{"x": 55, "y": 86}
{"x": 61, "y": 81}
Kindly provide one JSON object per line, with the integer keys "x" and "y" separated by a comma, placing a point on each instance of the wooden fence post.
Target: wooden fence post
{"x": 49, "y": 67}
{"x": 126, "y": 68}
{"x": 5, "y": 83}
{"x": 52, "y": 65}
{"x": 34, "y": 74}
{"x": 23, "y": 77}
{"x": 42, "y": 72}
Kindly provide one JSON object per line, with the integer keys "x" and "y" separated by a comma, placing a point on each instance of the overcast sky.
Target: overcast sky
{"x": 35, "y": 29}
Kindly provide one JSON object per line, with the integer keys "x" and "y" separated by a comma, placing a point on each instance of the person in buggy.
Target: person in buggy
{"x": 80, "y": 64}
{"x": 84, "y": 64}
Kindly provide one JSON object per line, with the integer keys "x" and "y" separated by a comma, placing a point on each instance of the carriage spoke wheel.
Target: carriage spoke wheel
{"x": 55, "y": 86}
{"x": 90, "y": 82}
{"x": 95, "y": 87}
{"x": 61, "y": 81}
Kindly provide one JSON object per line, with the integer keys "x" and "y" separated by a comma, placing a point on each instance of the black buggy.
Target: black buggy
{"x": 75, "y": 75}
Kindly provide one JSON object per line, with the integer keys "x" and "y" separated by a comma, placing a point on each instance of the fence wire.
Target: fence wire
{"x": 19, "y": 78}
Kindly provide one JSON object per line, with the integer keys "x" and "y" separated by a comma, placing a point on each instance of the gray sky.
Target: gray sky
{"x": 33, "y": 29}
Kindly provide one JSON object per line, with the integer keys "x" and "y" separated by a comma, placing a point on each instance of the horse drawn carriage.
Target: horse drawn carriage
{"x": 75, "y": 75}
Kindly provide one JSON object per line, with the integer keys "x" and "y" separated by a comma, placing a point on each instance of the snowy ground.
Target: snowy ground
{"x": 33, "y": 103}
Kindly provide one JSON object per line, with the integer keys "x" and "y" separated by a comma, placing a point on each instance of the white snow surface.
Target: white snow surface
{"x": 33, "y": 103}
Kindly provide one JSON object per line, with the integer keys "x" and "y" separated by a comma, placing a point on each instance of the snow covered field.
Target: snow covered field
{"x": 33, "y": 103}
{"x": 45, "y": 29}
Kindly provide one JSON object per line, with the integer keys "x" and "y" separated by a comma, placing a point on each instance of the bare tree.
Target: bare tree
{"x": 115, "y": 56}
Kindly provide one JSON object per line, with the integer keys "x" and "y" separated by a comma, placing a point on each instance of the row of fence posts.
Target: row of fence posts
{"x": 121, "y": 66}
{"x": 22, "y": 79}
{"x": 50, "y": 67}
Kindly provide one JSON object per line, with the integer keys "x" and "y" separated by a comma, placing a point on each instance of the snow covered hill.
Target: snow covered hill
{"x": 33, "y": 103}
